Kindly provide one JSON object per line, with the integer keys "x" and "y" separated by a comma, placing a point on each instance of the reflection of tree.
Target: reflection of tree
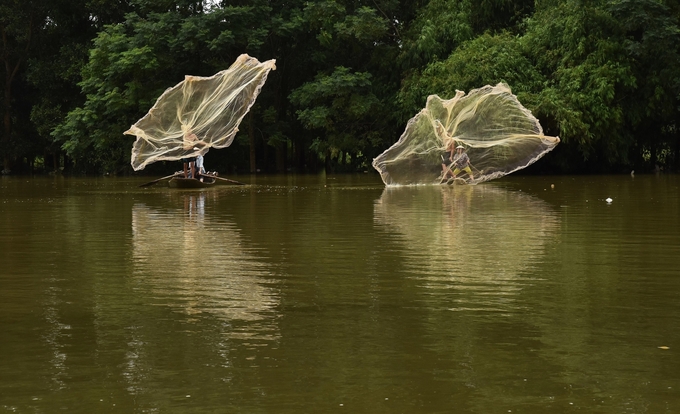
{"x": 478, "y": 241}
{"x": 201, "y": 265}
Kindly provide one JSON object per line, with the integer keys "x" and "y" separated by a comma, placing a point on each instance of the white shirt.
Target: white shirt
{"x": 199, "y": 163}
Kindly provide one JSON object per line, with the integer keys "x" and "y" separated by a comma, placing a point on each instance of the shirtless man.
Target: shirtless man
{"x": 461, "y": 162}
{"x": 447, "y": 156}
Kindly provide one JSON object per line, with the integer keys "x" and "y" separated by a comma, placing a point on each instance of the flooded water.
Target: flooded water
{"x": 315, "y": 294}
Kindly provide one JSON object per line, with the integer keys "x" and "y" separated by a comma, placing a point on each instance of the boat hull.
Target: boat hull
{"x": 178, "y": 182}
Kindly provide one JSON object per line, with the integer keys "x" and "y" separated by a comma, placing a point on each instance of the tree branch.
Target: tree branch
{"x": 388, "y": 19}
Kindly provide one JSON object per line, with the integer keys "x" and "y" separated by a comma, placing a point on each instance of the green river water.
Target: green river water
{"x": 334, "y": 294}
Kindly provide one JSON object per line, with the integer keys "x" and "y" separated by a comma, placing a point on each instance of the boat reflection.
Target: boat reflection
{"x": 474, "y": 245}
{"x": 199, "y": 265}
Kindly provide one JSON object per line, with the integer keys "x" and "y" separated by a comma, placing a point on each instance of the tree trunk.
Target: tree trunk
{"x": 265, "y": 161}
{"x": 67, "y": 162}
{"x": 674, "y": 162}
{"x": 327, "y": 163}
{"x": 297, "y": 155}
{"x": 251, "y": 137}
{"x": 281, "y": 157}
{"x": 7, "y": 128}
{"x": 10, "y": 72}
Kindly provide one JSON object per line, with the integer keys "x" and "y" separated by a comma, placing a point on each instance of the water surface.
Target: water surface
{"x": 335, "y": 294}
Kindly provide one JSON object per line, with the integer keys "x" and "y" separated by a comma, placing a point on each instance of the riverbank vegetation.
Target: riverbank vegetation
{"x": 604, "y": 75}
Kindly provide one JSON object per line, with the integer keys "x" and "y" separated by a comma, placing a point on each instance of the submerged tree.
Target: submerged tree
{"x": 133, "y": 62}
{"x": 19, "y": 22}
{"x": 348, "y": 106}
{"x": 650, "y": 36}
{"x": 601, "y": 75}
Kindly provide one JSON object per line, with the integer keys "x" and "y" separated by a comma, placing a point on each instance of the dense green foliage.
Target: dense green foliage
{"x": 604, "y": 75}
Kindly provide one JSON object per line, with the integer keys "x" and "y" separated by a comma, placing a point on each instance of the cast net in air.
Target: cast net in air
{"x": 498, "y": 135}
{"x": 199, "y": 113}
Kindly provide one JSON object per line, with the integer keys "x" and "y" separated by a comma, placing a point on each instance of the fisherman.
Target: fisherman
{"x": 450, "y": 149}
{"x": 190, "y": 142}
{"x": 447, "y": 159}
{"x": 200, "y": 169}
{"x": 461, "y": 162}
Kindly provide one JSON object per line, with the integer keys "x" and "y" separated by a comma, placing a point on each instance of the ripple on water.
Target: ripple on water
{"x": 197, "y": 266}
{"x": 470, "y": 248}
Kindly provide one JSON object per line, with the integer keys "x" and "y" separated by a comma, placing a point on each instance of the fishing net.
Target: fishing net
{"x": 497, "y": 133}
{"x": 199, "y": 113}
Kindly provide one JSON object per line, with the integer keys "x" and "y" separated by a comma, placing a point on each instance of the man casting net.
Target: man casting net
{"x": 199, "y": 113}
{"x": 484, "y": 135}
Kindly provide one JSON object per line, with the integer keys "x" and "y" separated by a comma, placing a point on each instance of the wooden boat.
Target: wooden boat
{"x": 177, "y": 180}
{"x": 181, "y": 182}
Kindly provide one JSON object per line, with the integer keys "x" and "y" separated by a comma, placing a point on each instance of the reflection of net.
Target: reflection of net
{"x": 499, "y": 134}
{"x": 197, "y": 266}
{"x": 198, "y": 113}
{"x": 457, "y": 228}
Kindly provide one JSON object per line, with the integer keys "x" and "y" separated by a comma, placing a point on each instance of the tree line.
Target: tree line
{"x": 604, "y": 75}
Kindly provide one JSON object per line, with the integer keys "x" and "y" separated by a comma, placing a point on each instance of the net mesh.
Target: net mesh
{"x": 498, "y": 135}
{"x": 199, "y": 113}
